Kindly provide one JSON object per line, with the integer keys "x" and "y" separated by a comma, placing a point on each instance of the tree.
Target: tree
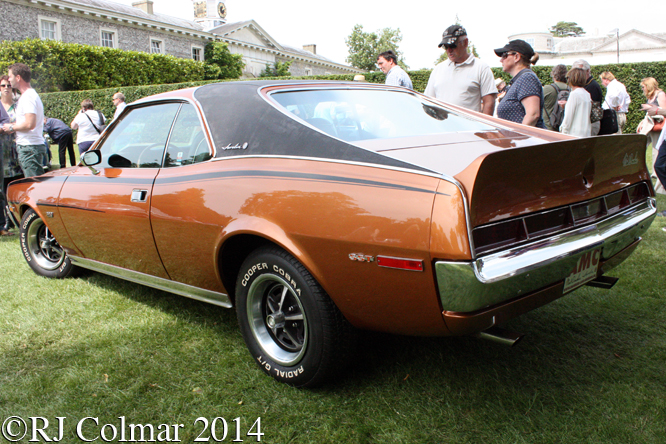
{"x": 281, "y": 69}
{"x": 364, "y": 47}
{"x": 566, "y": 29}
{"x": 221, "y": 63}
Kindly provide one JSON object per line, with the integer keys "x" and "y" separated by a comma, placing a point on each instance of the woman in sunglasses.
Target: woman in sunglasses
{"x": 10, "y": 165}
{"x": 523, "y": 101}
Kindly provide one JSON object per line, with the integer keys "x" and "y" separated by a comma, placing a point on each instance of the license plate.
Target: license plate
{"x": 585, "y": 270}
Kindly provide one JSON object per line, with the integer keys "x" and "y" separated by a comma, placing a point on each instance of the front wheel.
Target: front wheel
{"x": 293, "y": 330}
{"x": 41, "y": 250}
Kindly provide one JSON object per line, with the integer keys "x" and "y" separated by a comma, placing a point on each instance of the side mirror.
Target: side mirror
{"x": 91, "y": 158}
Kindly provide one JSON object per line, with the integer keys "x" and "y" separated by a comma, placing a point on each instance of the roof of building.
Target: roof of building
{"x": 136, "y": 12}
{"x": 228, "y": 29}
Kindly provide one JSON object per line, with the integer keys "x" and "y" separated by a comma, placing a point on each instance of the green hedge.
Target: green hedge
{"x": 58, "y": 66}
{"x": 65, "y": 105}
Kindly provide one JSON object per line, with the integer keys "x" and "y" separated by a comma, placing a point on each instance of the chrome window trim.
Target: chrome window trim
{"x": 199, "y": 294}
{"x": 472, "y": 285}
{"x": 182, "y": 100}
{"x": 344, "y": 86}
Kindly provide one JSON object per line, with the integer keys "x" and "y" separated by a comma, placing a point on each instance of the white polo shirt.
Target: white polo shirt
{"x": 462, "y": 84}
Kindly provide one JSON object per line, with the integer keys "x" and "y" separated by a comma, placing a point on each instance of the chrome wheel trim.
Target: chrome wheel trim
{"x": 43, "y": 247}
{"x": 277, "y": 319}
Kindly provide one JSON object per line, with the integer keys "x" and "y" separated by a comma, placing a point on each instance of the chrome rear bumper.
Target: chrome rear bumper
{"x": 498, "y": 277}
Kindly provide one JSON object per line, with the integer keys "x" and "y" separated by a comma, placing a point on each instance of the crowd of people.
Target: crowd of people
{"x": 24, "y": 151}
{"x": 572, "y": 104}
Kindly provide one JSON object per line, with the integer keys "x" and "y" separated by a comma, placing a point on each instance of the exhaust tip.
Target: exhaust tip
{"x": 501, "y": 336}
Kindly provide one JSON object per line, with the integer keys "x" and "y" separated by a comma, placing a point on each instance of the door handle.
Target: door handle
{"x": 139, "y": 195}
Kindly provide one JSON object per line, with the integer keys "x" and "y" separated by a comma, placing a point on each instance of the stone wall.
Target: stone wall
{"x": 77, "y": 28}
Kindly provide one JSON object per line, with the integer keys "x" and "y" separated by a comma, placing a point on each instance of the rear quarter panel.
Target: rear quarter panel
{"x": 320, "y": 212}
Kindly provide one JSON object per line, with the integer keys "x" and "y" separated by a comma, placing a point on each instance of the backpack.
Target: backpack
{"x": 557, "y": 115}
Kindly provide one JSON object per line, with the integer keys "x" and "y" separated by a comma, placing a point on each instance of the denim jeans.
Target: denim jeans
{"x": 30, "y": 158}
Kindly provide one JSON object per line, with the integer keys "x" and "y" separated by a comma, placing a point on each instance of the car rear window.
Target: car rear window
{"x": 362, "y": 114}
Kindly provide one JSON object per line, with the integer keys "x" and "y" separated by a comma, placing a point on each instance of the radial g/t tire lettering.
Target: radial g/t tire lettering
{"x": 293, "y": 330}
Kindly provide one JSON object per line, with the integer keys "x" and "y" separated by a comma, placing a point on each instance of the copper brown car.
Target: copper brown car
{"x": 318, "y": 209}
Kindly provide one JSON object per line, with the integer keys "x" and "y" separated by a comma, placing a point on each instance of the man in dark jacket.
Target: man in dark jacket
{"x": 61, "y": 134}
{"x": 593, "y": 88}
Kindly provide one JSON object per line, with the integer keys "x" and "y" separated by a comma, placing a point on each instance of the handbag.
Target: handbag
{"x": 608, "y": 122}
{"x": 658, "y": 123}
{"x": 596, "y": 112}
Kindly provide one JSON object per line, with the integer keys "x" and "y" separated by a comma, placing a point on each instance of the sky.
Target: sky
{"x": 421, "y": 23}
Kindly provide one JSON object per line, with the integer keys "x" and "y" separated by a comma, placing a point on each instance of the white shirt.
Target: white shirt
{"x": 119, "y": 109}
{"x": 87, "y": 132}
{"x": 462, "y": 84}
{"x": 577, "y": 114}
{"x": 30, "y": 103}
{"x": 616, "y": 95}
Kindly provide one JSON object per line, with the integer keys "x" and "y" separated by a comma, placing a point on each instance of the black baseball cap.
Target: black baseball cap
{"x": 451, "y": 34}
{"x": 519, "y": 46}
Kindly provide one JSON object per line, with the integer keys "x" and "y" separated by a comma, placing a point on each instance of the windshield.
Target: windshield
{"x": 362, "y": 114}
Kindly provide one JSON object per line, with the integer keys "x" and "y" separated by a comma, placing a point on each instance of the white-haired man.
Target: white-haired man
{"x": 463, "y": 79}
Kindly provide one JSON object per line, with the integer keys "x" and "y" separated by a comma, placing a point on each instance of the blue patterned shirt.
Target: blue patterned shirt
{"x": 398, "y": 77}
{"x": 526, "y": 85}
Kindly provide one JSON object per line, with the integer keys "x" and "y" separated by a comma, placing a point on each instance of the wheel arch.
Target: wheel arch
{"x": 237, "y": 247}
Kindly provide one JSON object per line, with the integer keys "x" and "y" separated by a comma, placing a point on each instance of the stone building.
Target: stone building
{"x": 628, "y": 47}
{"x": 139, "y": 28}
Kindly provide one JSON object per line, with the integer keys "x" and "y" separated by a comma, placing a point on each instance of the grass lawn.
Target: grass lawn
{"x": 592, "y": 368}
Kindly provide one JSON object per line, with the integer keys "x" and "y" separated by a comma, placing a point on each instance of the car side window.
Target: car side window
{"x": 138, "y": 140}
{"x": 188, "y": 143}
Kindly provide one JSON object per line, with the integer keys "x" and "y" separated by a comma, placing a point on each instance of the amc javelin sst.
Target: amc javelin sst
{"x": 318, "y": 209}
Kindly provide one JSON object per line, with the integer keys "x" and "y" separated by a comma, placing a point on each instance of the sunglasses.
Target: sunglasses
{"x": 450, "y": 46}
{"x": 507, "y": 54}
{"x": 5, "y": 86}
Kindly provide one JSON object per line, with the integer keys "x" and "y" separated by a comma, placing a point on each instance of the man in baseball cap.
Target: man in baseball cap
{"x": 463, "y": 79}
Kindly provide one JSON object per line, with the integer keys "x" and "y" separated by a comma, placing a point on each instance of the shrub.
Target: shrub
{"x": 58, "y": 66}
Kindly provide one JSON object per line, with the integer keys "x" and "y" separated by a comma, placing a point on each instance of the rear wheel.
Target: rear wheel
{"x": 290, "y": 325}
{"x": 41, "y": 250}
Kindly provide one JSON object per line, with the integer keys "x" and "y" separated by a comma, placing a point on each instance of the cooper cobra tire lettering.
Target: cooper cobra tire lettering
{"x": 291, "y": 327}
{"x": 41, "y": 250}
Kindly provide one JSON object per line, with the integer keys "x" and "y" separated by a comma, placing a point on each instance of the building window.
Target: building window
{"x": 308, "y": 71}
{"x": 108, "y": 38}
{"x": 531, "y": 42}
{"x": 49, "y": 28}
{"x": 197, "y": 53}
{"x": 156, "y": 46}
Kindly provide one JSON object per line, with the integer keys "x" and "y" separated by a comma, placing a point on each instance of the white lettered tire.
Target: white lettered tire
{"x": 41, "y": 250}
{"x": 293, "y": 330}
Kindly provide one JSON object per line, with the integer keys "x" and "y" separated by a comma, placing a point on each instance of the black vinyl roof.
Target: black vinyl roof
{"x": 237, "y": 115}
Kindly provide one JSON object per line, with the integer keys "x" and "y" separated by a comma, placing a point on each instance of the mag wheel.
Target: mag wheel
{"x": 290, "y": 325}
{"x": 41, "y": 250}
